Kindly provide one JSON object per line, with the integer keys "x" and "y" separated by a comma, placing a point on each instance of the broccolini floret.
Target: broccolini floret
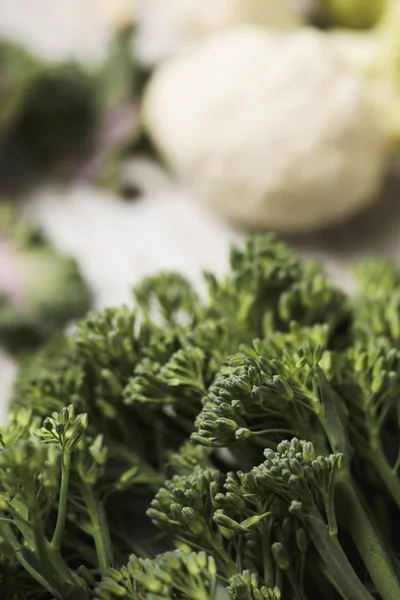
{"x": 256, "y": 429}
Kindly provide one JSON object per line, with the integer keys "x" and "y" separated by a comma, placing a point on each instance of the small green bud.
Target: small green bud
{"x": 227, "y": 424}
{"x": 308, "y": 451}
{"x": 179, "y": 496}
{"x": 318, "y": 353}
{"x": 236, "y": 501}
{"x": 176, "y": 511}
{"x": 214, "y": 489}
{"x": 113, "y": 588}
{"x": 243, "y": 386}
{"x": 211, "y": 566}
{"x": 83, "y": 421}
{"x": 60, "y": 428}
{"x": 48, "y": 424}
{"x": 64, "y": 416}
{"x": 281, "y": 556}
{"x": 254, "y": 580}
{"x": 282, "y": 387}
{"x": 193, "y": 565}
{"x": 188, "y": 514}
{"x": 203, "y": 441}
{"x": 134, "y": 565}
{"x": 174, "y": 561}
{"x": 238, "y": 407}
{"x": 127, "y": 478}
{"x": 287, "y": 526}
{"x": 246, "y": 577}
{"x": 295, "y": 467}
{"x": 296, "y": 508}
{"x": 202, "y": 559}
{"x": 157, "y": 516}
{"x": 301, "y": 539}
{"x": 243, "y": 434}
{"x": 183, "y": 547}
{"x": 256, "y": 395}
{"x": 151, "y": 584}
{"x": 86, "y": 575}
{"x": 115, "y": 575}
{"x": 220, "y": 518}
{"x": 71, "y": 410}
{"x": 193, "y": 499}
{"x": 278, "y": 368}
{"x": 252, "y": 373}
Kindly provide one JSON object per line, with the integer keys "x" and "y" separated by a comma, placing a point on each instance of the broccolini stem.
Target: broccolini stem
{"x": 62, "y": 504}
{"x": 330, "y": 508}
{"x": 60, "y": 590}
{"x": 100, "y": 531}
{"x": 387, "y": 474}
{"x": 9, "y": 537}
{"x": 371, "y": 548}
{"x": 269, "y": 571}
{"x": 339, "y": 570}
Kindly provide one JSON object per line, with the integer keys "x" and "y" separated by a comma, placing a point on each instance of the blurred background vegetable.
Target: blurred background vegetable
{"x": 66, "y": 118}
{"x": 354, "y": 14}
{"x": 375, "y": 55}
{"x": 285, "y": 130}
{"x": 41, "y": 290}
{"x": 242, "y": 121}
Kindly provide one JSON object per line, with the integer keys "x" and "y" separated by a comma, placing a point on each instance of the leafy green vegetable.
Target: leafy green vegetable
{"x": 41, "y": 290}
{"x": 66, "y": 119}
{"x": 258, "y": 429}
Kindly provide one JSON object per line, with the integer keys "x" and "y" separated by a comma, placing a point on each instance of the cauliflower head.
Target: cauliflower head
{"x": 270, "y": 129}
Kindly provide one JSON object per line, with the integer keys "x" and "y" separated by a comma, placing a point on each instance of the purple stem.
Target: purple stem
{"x": 115, "y": 130}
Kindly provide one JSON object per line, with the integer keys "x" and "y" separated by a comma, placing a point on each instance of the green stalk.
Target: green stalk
{"x": 100, "y": 531}
{"x": 62, "y": 504}
{"x": 339, "y": 570}
{"x": 12, "y": 541}
{"x": 50, "y": 559}
{"x": 375, "y": 556}
{"x": 34, "y": 566}
{"x": 269, "y": 571}
{"x": 387, "y": 474}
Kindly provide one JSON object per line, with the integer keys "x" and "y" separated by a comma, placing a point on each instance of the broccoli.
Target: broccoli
{"x": 243, "y": 446}
{"x": 40, "y": 289}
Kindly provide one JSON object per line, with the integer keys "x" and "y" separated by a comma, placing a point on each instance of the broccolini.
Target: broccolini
{"x": 257, "y": 429}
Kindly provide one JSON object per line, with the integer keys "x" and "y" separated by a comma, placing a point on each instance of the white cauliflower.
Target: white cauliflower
{"x": 170, "y": 27}
{"x": 270, "y": 129}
